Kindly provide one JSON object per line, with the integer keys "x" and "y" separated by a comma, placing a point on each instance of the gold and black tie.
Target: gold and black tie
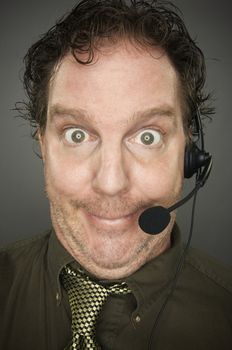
{"x": 86, "y": 299}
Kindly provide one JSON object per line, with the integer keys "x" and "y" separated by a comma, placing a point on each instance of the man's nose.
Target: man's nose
{"x": 111, "y": 176}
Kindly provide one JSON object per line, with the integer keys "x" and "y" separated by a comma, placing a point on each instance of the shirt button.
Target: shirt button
{"x": 137, "y": 319}
{"x": 57, "y": 297}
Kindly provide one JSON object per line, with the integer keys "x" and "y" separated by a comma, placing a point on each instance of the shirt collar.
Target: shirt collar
{"x": 145, "y": 283}
{"x": 58, "y": 257}
{"x": 152, "y": 278}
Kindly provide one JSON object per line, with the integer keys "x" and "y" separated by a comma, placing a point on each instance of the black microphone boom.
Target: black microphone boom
{"x": 155, "y": 219}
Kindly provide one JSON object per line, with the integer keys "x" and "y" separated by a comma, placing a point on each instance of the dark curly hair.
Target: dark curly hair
{"x": 145, "y": 23}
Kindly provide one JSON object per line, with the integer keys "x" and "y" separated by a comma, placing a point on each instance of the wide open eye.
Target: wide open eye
{"x": 76, "y": 136}
{"x": 148, "y": 137}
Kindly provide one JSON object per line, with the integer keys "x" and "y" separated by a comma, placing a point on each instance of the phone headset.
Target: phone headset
{"x": 196, "y": 162}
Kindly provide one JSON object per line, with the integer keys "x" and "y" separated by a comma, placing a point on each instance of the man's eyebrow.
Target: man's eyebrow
{"x": 162, "y": 111}
{"x": 58, "y": 110}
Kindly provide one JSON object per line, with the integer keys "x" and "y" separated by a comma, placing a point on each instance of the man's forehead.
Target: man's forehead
{"x": 120, "y": 79}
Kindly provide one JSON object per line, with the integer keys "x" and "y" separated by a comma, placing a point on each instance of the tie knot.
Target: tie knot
{"x": 81, "y": 283}
{"x": 86, "y": 299}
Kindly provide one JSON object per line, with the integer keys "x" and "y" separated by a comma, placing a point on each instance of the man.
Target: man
{"x": 114, "y": 90}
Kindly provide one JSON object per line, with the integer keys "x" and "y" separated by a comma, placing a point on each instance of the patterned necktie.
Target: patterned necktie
{"x": 86, "y": 299}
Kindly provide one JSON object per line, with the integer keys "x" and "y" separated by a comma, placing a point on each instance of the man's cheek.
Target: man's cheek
{"x": 159, "y": 188}
{"x": 69, "y": 180}
{"x": 162, "y": 184}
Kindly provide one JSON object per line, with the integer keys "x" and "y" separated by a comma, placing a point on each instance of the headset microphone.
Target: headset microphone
{"x": 155, "y": 219}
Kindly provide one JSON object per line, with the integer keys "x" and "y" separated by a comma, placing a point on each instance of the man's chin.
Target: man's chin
{"x": 109, "y": 269}
{"x": 108, "y": 247}
{"x": 114, "y": 258}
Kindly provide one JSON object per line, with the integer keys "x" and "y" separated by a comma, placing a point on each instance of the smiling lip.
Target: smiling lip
{"x": 110, "y": 221}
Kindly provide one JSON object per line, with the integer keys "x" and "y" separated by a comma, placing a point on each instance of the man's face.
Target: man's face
{"x": 113, "y": 146}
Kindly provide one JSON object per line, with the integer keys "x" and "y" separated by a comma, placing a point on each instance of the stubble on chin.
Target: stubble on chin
{"x": 103, "y": 261}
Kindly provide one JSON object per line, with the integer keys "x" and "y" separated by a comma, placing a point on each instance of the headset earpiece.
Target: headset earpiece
{"x": 194, "y": 160}
{"x": 197, "y": 160}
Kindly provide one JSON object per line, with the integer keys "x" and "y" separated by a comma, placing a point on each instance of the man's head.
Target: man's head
{"x": 95, "y": 23}
{"x": 117, "y": 84}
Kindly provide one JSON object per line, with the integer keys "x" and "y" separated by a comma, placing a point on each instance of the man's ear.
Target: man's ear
{"x": 40, "y": 137}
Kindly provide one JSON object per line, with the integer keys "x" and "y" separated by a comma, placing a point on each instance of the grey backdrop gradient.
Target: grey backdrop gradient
{"x": 24, "y": 207}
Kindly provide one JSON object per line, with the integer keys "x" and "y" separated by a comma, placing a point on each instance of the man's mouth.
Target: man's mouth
{"x": 111, "y": 219}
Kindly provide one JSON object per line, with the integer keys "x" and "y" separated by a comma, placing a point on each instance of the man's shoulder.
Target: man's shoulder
{"x": 24, "y": 251}
{"x": 209, "y": 268}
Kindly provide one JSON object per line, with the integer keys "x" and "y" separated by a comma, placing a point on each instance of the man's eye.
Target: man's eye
{"x": 77, "y": 136}
{"x": 148, "y": 137}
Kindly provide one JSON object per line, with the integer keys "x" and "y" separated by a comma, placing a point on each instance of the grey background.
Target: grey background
{"x": 24, "y": 208}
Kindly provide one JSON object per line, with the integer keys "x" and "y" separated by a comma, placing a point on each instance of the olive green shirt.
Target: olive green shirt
{"x": 35, "y": 313}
